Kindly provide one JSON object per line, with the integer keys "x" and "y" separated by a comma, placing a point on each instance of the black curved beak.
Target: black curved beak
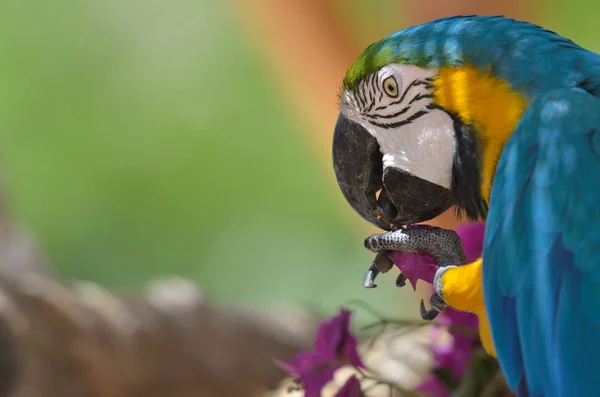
{"x": 386, "y": 198}
{"x": 357, "y": 162}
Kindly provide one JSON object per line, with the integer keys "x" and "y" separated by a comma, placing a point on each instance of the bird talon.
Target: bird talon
{"x": 437, "y": 305}
{"x": 428, "y": 315}
{"x": 401, "y": 280}
{"x": 369, "y": 279}
{"x": 382, "y": 263}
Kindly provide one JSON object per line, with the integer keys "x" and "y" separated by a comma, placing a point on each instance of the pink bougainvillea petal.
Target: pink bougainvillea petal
{"x": 335, "y": 341}
{"x": 335, "y": 347}
{"x": 434, "y": 387}
{"x": 455, "y": 353}
{"x": 330, "y": 334}
{"x": 312, "y": 369}
{"x": 416, "y": 267}
{"x": 471, "y": 235}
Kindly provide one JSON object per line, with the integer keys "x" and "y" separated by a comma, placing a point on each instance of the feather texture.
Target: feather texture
{"x": 528, "y": 57}
{"x": 541, "y": 260}
{"x": 541, "y": 273}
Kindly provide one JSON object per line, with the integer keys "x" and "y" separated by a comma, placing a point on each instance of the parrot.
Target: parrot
{"x": 500, "y": 120}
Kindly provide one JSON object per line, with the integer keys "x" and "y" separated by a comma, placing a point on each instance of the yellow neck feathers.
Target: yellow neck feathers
{"x": 487, "y": 103}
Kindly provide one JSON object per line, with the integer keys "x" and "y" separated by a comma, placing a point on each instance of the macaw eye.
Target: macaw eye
{"x": 390, "y": 86}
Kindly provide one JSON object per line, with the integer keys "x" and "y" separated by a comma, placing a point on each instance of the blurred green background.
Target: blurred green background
{"x": 142, "y": 138}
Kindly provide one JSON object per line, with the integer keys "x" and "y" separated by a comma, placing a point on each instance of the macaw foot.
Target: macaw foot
{"x": 436, "y": 301}
{"x": 442, "y": 244}
{"x": 460, "y": 287}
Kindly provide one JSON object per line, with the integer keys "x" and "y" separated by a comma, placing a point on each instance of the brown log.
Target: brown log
{"x": 85, "y": 341}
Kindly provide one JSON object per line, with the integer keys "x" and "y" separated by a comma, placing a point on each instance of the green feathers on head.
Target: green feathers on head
{"x": 376, "y": 56}
{"x": 392, "y": 49}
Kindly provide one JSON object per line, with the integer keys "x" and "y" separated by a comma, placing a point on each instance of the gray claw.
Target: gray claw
{"x": 369, "y": 279}
{"x": 382, "y": 263}
{"x": 430, "y": 314}
{"x": 437, "y": 305}
{"x": 401, "y": 280}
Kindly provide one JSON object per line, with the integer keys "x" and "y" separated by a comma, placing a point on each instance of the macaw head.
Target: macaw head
{"x": 418, "y": 124}
{"x": 399, "y": 157}
{"x": 394, "y": 150}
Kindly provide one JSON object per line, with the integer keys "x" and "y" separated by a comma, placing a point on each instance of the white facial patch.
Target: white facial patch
{"x": 424, "y": 148}
{"x": 413, "y": 135}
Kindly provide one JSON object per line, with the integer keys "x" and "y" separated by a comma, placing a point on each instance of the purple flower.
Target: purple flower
{"x": 455, "y": 353}
{"x": 350, "y": 389}
{"x": 471, "y": 235}
{"x": 335, "y": 341}
{"x": 416, "y": 266}
{"x": 433, "y": 386}
{"x": 313, "y": 370}
{"x": 334, "y": 348}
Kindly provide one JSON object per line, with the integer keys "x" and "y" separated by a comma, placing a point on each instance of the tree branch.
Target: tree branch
{"x": 85, "y": 341}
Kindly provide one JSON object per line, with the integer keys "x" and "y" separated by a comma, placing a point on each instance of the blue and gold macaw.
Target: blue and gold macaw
{"x": 502, "y": 119}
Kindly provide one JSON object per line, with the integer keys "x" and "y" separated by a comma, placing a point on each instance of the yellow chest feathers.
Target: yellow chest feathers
{"x": 486, "y": 102}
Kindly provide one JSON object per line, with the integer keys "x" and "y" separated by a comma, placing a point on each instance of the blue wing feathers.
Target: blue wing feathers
{"x": 522, "y": 390}
{"x": 541, "y": 269}
{"x": 508, "y": 338}
{"x": 532, "y": 346}
{"x": 576, "y": 340}
{"x": 532, "y": 59}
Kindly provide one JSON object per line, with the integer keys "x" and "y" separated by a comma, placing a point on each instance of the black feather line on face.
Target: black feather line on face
{"x": 466, "y": 175}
